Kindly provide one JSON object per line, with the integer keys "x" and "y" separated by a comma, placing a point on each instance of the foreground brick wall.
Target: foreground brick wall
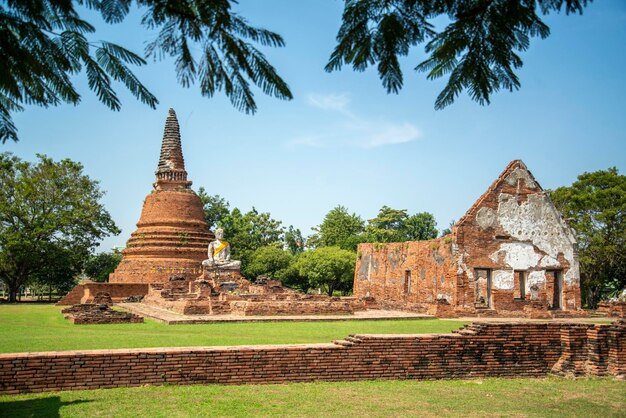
{"x": 480, "y": 350}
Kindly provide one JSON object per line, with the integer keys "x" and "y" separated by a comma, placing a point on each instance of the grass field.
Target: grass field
{"x": 32, "y": 327}
{"x": 548, "y": 397}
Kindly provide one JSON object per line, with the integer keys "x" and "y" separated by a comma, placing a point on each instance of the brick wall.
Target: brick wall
{"x": 479, "y": 350}
{"x": 85, "y": 293}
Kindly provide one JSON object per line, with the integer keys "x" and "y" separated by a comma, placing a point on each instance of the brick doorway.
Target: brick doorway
{"x": 555, "y": 284}
{"x": 482, "y": 288}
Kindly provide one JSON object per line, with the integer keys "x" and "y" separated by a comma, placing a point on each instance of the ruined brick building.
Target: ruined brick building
{"x": 510, "y": 254}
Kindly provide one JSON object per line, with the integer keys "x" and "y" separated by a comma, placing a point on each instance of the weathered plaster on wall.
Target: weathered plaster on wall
{"x": 520, "y": 174}
{"x": 536, "y": 220}
{"x": 535, "y": 277}
{"x": 503, "y": 279}
{"x": 517, "y": 255}
{"x": 486, "y": 217}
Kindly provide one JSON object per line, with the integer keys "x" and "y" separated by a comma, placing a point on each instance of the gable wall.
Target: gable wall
{"x": 515, "y": 226}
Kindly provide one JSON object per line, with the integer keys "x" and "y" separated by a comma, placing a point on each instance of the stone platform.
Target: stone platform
{"x": 173, "y": 318}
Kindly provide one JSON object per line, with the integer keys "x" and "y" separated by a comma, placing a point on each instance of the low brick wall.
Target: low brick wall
{"x": 85, "y": 293}
{"x": 479, "y": 350}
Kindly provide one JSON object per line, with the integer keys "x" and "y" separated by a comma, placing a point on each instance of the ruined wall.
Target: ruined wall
{"x": 514, "y": 227}
{"x": 85, "y": 293}
{"x": 481, "y": 350}
{"x": 510, "y": 254}
{"x": 408, "y": 275}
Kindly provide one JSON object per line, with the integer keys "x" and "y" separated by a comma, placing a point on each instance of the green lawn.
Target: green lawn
{"x": 488, "y": 397}
{"x": 31, "y": 327}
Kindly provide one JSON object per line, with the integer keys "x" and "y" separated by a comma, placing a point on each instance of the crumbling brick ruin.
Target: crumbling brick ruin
{"x": 92, "y": 313}
{"x": 242, "y": 298}
{"x": 512, "y": 254}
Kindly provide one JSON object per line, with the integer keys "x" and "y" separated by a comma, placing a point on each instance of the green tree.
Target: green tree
{"x": 294, "y": 241}
{"x": 478, "y": 48}
{"x": 250, "y": 231}
{"x": 44, "y": 43}
{"x": 421, "y": 226}
{"x": 271, "y": 261}
{"x": 46, "y": 209}
{"x": 215, "y": 207}
{"x": 339, "y": 228}
{"x": 59, "y": 271}
{"x": 595, "y": 206}
{"x": 388, "y": 226}
{"x": 395, "y": 225}
{"x": 329, "y": 268}
{"x": 99, "y": 266}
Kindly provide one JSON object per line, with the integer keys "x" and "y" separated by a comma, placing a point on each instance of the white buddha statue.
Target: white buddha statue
{"x": 219, "y": 254}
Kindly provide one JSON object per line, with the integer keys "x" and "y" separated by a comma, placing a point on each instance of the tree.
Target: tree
{"x": 59, "y": 270}
{"x": 99, "y": 266}
{"x": 595, "y": 206}
{"x": 250, "y": 231}
{"x": 394, "y": 225}
{"x": 339, "y": 228}
{"x": 271, "y": 261}
{"x": 46, "y": 209}
{"x": 294, "y": 242}
{"x": 421, "y": 226}
{"x": 388, "y": 225}
{"x": 478, "y": 48}
{"x": 215, "y": 207}
{"x": 43, "y": 43}
{"x": 330, "y": 268}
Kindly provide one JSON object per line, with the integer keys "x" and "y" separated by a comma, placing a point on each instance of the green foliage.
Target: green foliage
{"x": 44, "y": 43}
{"x": 215, "y": 207}
{"x": 294, "y": 241}
{"x": 393, "y": 225}
{"x": 271, "y": 261}
{"x": 478, "y": 48}
{"x": 340, "y": 229}
{"x": 50, "y": 219}
{"x": 249, "y": 232}
{"x": 595, "y": 206}
{"x": 330, "y": 268}
{"x": 99, "y": 266}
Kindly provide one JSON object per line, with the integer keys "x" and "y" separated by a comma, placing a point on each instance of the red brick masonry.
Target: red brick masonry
{"x": 479, "y": 350}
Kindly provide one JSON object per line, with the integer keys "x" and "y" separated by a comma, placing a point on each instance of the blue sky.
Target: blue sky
{"x": 343, "y": 139}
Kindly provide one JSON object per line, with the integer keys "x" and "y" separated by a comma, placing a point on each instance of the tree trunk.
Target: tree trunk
{"x": 12, "y": 295}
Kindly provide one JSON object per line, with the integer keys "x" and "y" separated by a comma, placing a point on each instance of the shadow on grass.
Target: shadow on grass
{"x": 42, "y": 407}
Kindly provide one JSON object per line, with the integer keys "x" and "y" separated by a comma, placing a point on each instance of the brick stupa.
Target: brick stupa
{"x": 172, "y": 236}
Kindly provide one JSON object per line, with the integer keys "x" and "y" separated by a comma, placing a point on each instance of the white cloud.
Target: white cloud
{"x": 331, "y": 101}
{"x": 392, "y": 134}
{"x": 353, "y": 130}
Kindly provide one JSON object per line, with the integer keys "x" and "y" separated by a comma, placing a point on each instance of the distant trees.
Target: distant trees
{"x": 393, "y": 225}
{"x": 328, "y": 268}
{"x": 326, "y": 259}
{"x": 99, "y": 266}
{"x": 51, "y": 219}
{"x": 340, "y": 229}
{"x": 595, "y": 206}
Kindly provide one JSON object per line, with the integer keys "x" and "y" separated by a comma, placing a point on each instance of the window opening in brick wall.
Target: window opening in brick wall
{"x": 520, "y": 284}
{"x": 407, "y": 282}
{"x": 482, "y": 286}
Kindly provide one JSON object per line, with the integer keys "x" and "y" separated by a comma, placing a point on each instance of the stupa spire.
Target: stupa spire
{"x": 171, "y": 172}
